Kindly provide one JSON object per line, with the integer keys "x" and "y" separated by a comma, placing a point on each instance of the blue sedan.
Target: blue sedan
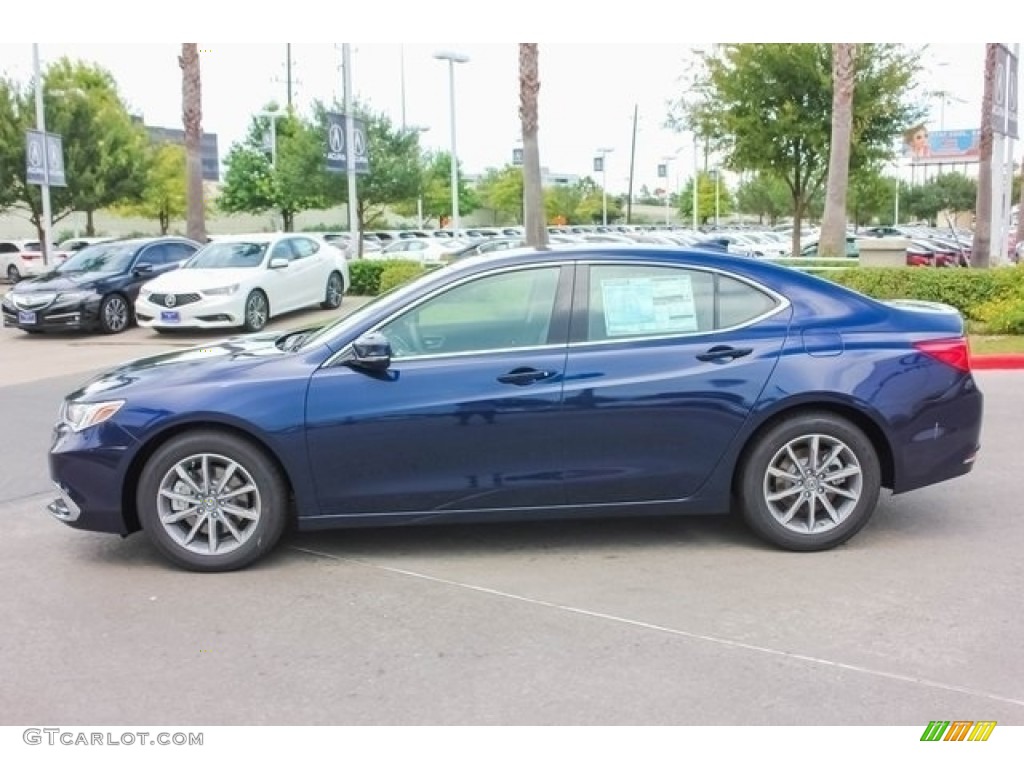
{"x": 590, "y": 380}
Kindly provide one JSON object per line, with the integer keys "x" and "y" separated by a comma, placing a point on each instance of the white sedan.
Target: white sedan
{"x": 243, "y": 281}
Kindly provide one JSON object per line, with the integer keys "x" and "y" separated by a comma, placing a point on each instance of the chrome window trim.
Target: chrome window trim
{"x": 783, "y": 303}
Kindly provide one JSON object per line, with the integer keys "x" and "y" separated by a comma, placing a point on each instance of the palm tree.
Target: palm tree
{"x": 192, "y": 117}
{"x": 983, "y": 208}
{"x": 533, "y": 193}
{"x": 833, "y": 225}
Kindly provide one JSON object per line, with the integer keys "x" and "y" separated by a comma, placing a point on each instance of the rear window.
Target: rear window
{"x": 32, "y": 247}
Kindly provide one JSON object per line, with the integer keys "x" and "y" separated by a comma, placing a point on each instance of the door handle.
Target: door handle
{"x": 523, "y": 376}
{"x": 723, "y": 352}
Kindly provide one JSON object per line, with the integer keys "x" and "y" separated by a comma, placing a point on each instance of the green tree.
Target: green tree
{"x": 436, "y": 185}
{"x": 706, "y": 199}
{"x": 104, "y": 149}
{"x": 164, "y": 197}
{"x": 946, "y": 192}
{"x": 763, "y": 195}
{"x": 768, "y": 107}
{"x": 298, "y": 182}
{"x": 871, "y": 197}
{"x": 501, "y": 190}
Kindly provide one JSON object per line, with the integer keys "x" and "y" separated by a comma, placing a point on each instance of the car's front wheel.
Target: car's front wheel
{"x": 257, "y": 312}
{"x": 115, "y": 314}
{"x": 809, "y": 482}
{"x": 333, "y": 292}
{"x": 211, "y": 501}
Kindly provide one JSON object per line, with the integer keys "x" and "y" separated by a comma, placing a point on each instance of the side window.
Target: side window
{"x": 740, "y": 302}
{"x": 176, "y": 252}
{"x": 283, "y": 250}
{"x": 637, "y": 300}
{"x": 304, "y": 247}
{"x": 503, "y": 311}
{"x": 8, "y": 248}
{"x": 153, "y": 255}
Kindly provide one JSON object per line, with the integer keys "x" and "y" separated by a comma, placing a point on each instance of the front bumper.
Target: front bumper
{"x": 209, "y": 312}
{"x": 80, "y": 315}
{"x": 89, "y": 469}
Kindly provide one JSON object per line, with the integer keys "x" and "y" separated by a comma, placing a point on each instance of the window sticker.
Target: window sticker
{"x": 636, "y": 306}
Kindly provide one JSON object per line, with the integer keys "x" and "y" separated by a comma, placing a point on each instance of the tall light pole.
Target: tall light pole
{"x": 419, "y": 200}
{"x": 695, "y": 181}
{"x": 603, "y": 152}
{"x": 453, "y": 58}
{"x": 45, "y": 187}
{"x": 665, "y": 160}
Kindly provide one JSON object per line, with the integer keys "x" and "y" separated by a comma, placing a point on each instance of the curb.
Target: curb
{"x": 1008, "y": 362}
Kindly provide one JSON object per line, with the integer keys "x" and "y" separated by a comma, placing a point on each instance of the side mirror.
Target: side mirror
{"x": 372, "y": 351}
{"x": 279, "y": 263}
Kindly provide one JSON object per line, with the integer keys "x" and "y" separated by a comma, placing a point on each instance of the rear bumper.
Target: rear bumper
{"x": 942, "y": 442}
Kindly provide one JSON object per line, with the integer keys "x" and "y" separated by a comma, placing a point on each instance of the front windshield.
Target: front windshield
{"x": 105, "y": 257}
{"x": 228, "y": 256}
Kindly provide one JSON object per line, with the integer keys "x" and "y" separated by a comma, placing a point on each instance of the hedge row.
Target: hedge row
{"x": 992, "y": 298}
{"x": 370, "y": 277}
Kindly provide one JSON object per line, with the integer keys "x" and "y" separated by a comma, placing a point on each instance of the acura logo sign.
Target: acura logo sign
{"x": 335, "y": 138}
{"x": 170, "y": 300}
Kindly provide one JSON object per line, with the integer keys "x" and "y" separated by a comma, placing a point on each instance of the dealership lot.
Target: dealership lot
{"x": 648, "y": 621}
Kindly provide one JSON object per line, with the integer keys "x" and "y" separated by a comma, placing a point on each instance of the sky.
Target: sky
{"x": 589, "y": 88}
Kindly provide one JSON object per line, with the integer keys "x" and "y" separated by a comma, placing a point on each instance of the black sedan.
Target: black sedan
{"x": 96, "y": 288}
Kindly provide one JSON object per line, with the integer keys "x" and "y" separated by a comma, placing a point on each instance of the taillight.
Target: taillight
{"x": 952, "y": 352}
{"x": 29, "y": 255}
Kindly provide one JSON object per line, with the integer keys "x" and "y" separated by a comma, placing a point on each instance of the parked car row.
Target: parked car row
{"x": 169, "y": 283}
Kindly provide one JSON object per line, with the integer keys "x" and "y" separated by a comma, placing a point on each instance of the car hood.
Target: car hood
{"x": 62, "y": 281}
{"x": 221, "y": 362}
{"x": 181, "y": 280}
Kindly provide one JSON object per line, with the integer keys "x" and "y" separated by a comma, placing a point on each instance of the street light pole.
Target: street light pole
{"x": 603, "y": 152}
{"x": 453, "y": 58}
{"x": 44, "y": 188}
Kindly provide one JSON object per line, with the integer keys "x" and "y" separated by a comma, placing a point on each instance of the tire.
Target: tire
{"x": 13, "y": 275}
{"x": 176, "y": 516}
{"x": 795, "y": 509}
{"x": 257, "y": 312}
{"x": 333, "y": 292}
{"x": 115, "y": 315}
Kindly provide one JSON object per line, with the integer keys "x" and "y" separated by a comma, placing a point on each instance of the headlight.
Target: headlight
{"x": 81, "y": 416}
{"x": 145, "y": 292}
{"x": 75, "y": 295}
{"x": 226, "y": 290}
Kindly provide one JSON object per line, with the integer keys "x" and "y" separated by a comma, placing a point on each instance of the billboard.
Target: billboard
{"x": 922, "y": 146}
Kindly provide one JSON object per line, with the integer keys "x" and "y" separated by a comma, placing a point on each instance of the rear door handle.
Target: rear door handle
{"x": 523, "y": 376}
{"x": 723, "y": 352}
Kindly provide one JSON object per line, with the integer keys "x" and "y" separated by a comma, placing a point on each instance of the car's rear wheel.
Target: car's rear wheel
{"x": 257, "y": 311}
{"x": 333, "y": 292}
{"x": 13, "y": 275}
{"x": 115, "y": 314}
{"x": 211, "y": 501}
{"x": 809, "y": 482}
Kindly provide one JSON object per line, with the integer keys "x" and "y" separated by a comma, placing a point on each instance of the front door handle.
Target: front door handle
{"x": 523, "y": 376}
{"x": 724, "y": 352}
